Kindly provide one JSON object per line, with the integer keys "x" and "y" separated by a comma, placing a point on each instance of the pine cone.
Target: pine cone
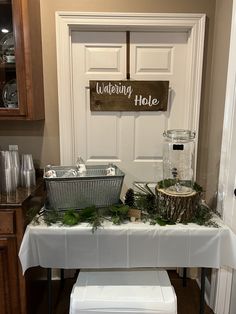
{"x": 129, "y": 198}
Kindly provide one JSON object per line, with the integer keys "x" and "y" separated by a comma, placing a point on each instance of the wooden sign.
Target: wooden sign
{"x": 128, "y": 95}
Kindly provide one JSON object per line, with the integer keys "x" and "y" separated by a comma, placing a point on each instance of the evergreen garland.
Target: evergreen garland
{"x": 119, "y": 213}
{"x": 70, "y": 217}
{"x": 145, "y": 200}
{"x": 52, "y": 216}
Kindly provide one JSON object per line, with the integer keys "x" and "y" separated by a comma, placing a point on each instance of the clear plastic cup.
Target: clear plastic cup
{"x": 8, "y": 182}
{"x": 27, "y": 171}
{"x": 16, "y": 166}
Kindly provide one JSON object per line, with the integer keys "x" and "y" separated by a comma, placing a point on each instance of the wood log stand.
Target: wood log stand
{"x": 175, "y": 207}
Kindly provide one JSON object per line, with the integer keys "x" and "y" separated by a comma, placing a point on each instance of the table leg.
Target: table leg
{"x": 184, "y": 277}
{"x": 49, "y": 281}
{"x": 202, "y": 293}
{"x": 62, "y": 281}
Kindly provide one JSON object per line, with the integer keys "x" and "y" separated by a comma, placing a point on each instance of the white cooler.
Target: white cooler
{"x": 123, "y": 291}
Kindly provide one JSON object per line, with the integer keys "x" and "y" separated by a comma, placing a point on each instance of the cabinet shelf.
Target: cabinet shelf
{"x": 8, "y": 66}
{"x": 9, "y": 69}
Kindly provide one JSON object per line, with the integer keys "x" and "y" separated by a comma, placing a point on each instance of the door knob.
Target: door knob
{"x": 235, "y": 192}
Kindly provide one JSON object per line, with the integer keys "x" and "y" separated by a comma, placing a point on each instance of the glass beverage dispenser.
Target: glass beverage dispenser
{"x": 178, "y": 161}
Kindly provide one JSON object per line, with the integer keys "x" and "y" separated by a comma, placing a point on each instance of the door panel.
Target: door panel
{"x": 156, "y": 56}
{"x": 153, "y": 59}
{"x": 96, "y": 134}
{"x": 131, "y": 140}
{"x": 103, "y": 144}
{"x": 147, "y": 139}
{"x": 164, "y": 56}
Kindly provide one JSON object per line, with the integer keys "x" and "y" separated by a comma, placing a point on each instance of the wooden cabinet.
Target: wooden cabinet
{"x": 9, "y": 297}
{"x": 21, "y": 69}
{"x": 13, "y": 221}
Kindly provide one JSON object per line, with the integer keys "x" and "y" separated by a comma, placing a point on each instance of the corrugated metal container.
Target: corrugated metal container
{"x": 94, "y": 188}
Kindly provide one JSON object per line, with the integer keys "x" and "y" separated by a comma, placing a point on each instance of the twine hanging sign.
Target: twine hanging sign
{"x": 128, "y": 95}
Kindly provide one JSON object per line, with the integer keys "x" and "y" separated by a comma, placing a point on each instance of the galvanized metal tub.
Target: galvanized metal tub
{"x": 94, "y": 188}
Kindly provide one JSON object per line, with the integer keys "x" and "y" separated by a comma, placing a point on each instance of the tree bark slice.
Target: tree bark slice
{"x": 177, "y": 208}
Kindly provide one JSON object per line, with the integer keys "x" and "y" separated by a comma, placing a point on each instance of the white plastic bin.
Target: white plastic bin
{"x": 123, "y": 291}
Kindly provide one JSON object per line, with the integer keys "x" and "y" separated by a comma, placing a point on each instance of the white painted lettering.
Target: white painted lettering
{"x": 113, "y": 88}
{"x": 139, "y": 100}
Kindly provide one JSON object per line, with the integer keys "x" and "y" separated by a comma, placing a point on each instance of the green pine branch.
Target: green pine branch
{"x": 144, "y": 199}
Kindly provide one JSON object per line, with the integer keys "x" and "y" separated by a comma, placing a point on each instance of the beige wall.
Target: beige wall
{"x": 42, "y": 139}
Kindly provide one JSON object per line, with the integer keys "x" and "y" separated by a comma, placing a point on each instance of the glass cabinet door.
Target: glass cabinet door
{"x": 8, "y": 84}
{"x": 21, "y": 68}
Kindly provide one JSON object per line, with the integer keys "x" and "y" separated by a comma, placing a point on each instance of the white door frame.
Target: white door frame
{"x": 224, "y": 203}
{"x": 67, "y": 21}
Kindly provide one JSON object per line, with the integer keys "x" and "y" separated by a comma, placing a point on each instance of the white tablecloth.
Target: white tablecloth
{"x": 128, "y": 246}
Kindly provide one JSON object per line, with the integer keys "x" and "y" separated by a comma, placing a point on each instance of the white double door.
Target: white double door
{"x": 131, "y": 140}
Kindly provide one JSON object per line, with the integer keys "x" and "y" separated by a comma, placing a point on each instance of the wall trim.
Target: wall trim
{"x": 227, "y": 140}
{"x": 223, "y": 291}
{"x": 225, "y": 200}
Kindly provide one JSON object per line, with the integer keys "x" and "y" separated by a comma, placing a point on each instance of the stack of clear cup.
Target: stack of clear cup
{"x": 8, "y": 181}
{"x": 27, "y": 171}
{"x": 15, "y": 166}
